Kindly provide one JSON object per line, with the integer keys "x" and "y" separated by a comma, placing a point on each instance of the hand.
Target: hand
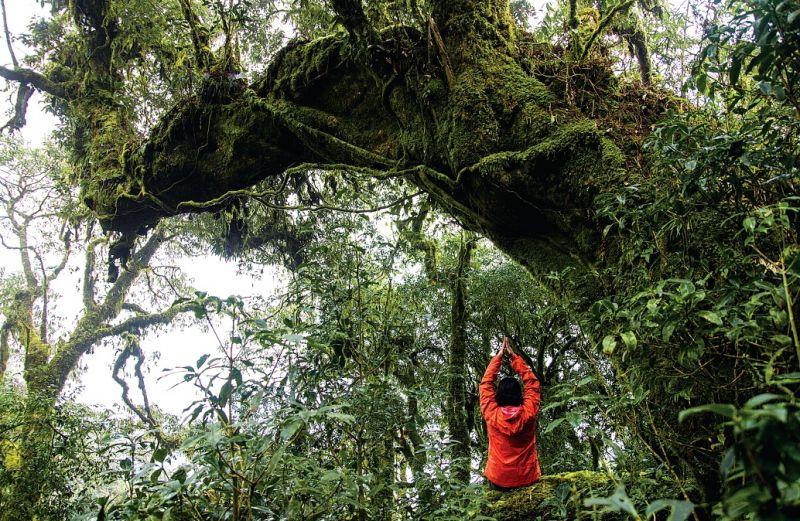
{"x": 507, "y": 347}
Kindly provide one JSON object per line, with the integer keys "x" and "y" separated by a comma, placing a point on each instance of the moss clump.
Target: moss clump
{"x": 556, "y": 496}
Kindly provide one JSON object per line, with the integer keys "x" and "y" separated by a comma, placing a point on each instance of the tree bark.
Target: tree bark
{"x": 457, "y": 366}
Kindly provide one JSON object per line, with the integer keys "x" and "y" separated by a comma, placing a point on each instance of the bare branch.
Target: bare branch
{"x": 17, "y": 121}
{"x": 66, "y": 237}
{"x": 133, "y": 348}
{"x": 45, "y": 298}
{"x": 8, "y": 34}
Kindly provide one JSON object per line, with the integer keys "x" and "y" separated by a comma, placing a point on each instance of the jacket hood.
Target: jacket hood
{"x": 511, "y": 411}
{"x": 510, "y": 419}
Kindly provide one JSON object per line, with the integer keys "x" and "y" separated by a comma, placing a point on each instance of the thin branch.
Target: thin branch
{"x": 602, "y": 26}
{"x": 8, "y": 34}
{"x": 66, "y": 237}
{"x": 45, "y": 299}
{"x": 433, "y": 30}
{"x": 133, "y": 348}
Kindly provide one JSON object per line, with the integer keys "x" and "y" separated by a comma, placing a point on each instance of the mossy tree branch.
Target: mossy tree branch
{"x": 37, "y": 80}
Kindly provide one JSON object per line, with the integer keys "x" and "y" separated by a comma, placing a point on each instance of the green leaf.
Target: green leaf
{"x": 617, "y": 501}
{"x": 574, "y": 418}
{"x": 760, "y": 399}
{"x": 666, "y": 332}
{"x": 180, "y": 475}
{"x": 553, "y": 424}
{"x": 289, "y": 430}
{"x": 609, "y": 344}
{"x": 202, "y": 360}
{"x": 727, "y": 462}
{"x": 749, "y": 224}
{"x": 225, "y": 393}
{"x": 236, "y": 376}
{"x": 793, "y": 16}
{"x": 160, "y": 454}
{"x": 346, "y": 418}
{"x": 629, "y": 338}
{"x": 331, "y": 475}
{"x": 260, "y": 323}
{"x": 711, "y": 317}
{"x": 723, "y": 409}
{"x": 680, "y": 510}
{"x": 782, "y": 339}
{"x": 736, "y": 69}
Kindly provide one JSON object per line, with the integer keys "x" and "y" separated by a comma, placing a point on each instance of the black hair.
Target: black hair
{"x": 509, "y": 392}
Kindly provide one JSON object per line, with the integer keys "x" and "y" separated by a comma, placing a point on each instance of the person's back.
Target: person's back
{"x": 510, "y": 417}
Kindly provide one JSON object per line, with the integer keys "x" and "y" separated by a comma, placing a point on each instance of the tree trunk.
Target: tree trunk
{"x": 457, "y": 366}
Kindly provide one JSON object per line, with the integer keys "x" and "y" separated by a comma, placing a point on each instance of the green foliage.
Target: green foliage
{"x": 761, "y": 468}
{"x": 76, "y": 466}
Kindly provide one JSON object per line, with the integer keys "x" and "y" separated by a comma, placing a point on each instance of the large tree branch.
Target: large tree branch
{"x": 89, "y": 332}
{"x": 115, "y": 298}
{"x": 30, "y": 77}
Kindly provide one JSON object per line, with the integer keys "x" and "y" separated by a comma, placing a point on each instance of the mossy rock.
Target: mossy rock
{"x": 556, "y": 496}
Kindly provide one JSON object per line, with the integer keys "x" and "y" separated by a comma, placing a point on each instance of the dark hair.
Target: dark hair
{"x": 509, "y": 392}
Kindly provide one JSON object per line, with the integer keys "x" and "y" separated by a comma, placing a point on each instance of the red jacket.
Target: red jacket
{"x": 513, "y": 461}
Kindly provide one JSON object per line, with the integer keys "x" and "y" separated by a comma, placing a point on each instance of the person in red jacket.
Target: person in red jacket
{"x": 510, "y": 415}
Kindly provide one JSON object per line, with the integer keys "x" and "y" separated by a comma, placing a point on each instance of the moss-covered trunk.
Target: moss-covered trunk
{"x": 457, "y": 366}
{"x": 35, "y": 455}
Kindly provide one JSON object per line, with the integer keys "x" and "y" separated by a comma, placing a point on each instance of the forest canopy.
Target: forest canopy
{"x": 611, "y": 185}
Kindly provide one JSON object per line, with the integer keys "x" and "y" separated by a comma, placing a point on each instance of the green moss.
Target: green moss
{"x": 486, "y": 101}
{"x": 557, "y": 496}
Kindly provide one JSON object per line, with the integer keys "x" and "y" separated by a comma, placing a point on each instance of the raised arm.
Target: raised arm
{"x": 487, "y": 390}
{"x": 531, "y": 393}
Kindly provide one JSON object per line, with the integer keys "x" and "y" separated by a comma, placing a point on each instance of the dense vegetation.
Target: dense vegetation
{"x": 613, "y": 188}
